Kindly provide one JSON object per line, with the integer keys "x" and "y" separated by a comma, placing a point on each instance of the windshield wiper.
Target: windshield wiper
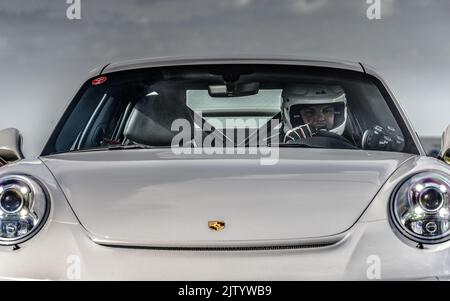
{"x": 131, "y": 146}
{"x": 299, "y": 145}
{"x": 112, "y": 147}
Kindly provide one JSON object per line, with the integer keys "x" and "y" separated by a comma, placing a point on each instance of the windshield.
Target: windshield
{"x": 236, "y": 105}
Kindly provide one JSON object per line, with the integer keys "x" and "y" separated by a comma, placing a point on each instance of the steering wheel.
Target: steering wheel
{"x": 324, "y": 139}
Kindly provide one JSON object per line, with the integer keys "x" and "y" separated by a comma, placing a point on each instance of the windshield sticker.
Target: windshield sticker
{"x": 99, "y": 80}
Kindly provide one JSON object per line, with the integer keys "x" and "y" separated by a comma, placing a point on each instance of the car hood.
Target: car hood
{"x": 155, "y": 198}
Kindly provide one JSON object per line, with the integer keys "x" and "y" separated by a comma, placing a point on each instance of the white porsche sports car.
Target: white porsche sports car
{"x": 224, "y": 168}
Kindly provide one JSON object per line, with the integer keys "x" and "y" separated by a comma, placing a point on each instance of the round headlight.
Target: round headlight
{"x": 420, "y": 207}
{"x": 23, "y": 209}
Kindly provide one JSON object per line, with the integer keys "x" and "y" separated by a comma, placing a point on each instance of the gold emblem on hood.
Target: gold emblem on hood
{"x": 216, "y": 225}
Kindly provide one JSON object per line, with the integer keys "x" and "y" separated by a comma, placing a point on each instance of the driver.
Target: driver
{"x": 310, "y": 109}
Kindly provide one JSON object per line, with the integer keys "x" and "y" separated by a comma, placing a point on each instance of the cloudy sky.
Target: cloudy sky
{"x": 44, "y": 55}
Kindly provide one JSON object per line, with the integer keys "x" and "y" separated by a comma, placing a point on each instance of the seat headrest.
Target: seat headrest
{"x": 152, "y": 117}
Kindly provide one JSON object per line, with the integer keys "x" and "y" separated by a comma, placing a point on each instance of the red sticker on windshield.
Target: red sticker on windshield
{"x": 99, "y": 80}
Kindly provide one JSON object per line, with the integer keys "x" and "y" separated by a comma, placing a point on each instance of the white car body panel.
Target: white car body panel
{"x": 51, "y": 253}
{"x": 158, "y": 199}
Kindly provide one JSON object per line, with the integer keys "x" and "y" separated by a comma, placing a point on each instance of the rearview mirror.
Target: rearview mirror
{"x": 10, "y": 146}
{"x": 233, "y": 89}
{"x": 445, "y": 146}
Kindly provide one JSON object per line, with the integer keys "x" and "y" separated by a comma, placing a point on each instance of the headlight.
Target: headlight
{"x": 420, "y": 207}
{"x": 23, "y": 209}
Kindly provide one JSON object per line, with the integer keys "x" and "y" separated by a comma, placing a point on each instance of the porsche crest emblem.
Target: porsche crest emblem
{"x": 216, "y": 225}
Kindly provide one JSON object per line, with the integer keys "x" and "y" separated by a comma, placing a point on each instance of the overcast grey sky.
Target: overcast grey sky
{"x": 44, "y": 56}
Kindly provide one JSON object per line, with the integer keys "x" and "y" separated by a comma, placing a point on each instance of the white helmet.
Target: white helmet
{"x": 297, "y": 97}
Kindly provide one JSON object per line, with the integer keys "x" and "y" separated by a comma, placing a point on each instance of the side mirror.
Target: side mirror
{"x": 10, "y": 146}
{"x": 445, "y": 146}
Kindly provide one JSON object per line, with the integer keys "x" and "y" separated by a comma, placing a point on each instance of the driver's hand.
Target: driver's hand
{"x": 300, "y": 132}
